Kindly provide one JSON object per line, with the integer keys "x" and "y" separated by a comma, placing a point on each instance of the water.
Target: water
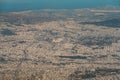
{"x": 21, "y": 5}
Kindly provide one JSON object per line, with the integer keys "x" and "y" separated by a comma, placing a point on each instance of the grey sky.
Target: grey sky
{"x": 57, "y": 4}
{"x": 16, "y": 1}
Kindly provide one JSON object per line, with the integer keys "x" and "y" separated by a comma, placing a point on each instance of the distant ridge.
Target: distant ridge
{"x": 93, "y": 10}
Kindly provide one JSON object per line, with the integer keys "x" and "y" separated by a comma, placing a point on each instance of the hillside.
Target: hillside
{"x": 78, "y": 44}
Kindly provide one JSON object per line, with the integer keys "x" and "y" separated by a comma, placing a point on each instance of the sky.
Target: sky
{"x": 55, "y": 1}
{"x": 18, "y": 5}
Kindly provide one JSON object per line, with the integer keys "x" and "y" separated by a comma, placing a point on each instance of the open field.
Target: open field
{"x": 75, "y": 44}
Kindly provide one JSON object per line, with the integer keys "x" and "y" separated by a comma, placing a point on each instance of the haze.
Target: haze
{"x": 15, "y": 5}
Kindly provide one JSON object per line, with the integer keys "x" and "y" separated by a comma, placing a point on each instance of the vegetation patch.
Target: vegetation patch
{"x": 2, "y": 60}
{"x": 98, "y": 40}
{"x": 87, "y": 74}
{"x": 7, "y": 32}
{"x": 74, "y": 57}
